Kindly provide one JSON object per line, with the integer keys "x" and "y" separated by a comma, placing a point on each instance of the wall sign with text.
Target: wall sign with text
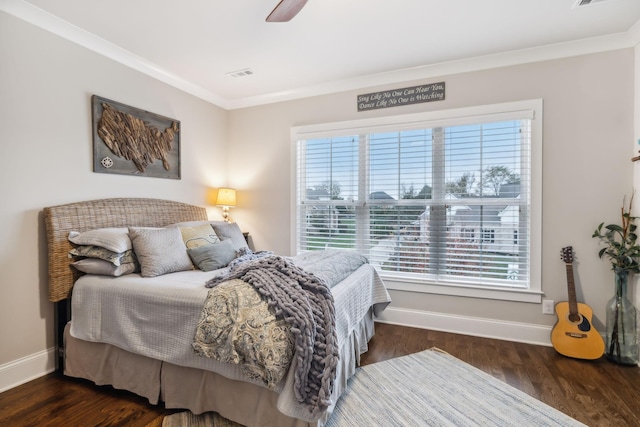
{"x": 404, "y": 96}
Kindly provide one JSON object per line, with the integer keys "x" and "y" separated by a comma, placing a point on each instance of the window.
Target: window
{"x": 468, "y": 234}
{"x": 488, "y": 235}
{"x": 443, "y": 202}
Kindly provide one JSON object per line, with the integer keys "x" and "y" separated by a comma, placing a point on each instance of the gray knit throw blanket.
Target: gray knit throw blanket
{"x": 306, "y": 303}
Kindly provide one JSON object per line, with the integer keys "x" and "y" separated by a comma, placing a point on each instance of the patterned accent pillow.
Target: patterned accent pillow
{"x": 201, "y": 235}
{"x": 159, "y": 250}
{"x": 115, "y": 239}
{"x": 114, "y": 258}
{"x": 213, "y": 257}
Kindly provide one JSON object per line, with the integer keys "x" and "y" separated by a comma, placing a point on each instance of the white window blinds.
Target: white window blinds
{"x": 444, "y": 201}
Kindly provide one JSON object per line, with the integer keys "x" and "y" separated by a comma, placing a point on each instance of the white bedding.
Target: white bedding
{"x": 157, "y": 317}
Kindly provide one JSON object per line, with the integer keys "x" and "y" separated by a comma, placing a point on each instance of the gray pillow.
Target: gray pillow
{"x": 104, "y": 268}
{"x": 115, "y": 239}
{"x": 159, "y": 250}
{"x": 231, "y": 231}
{"x": 212, "y": 257}
{"x": 194, "y": 223}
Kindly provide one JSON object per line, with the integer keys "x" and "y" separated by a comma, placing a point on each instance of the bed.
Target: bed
{"x": 134, "y": 351}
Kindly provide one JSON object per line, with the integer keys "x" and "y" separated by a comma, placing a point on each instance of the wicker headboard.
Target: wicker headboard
{"x": 83, "y": 216}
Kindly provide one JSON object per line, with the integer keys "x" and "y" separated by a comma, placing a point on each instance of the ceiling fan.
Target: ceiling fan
{"x": 286, "y": 10}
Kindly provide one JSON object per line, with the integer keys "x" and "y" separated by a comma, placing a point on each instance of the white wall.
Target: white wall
{"x": 588, "y": 126}
{"x": 46, "y": 85}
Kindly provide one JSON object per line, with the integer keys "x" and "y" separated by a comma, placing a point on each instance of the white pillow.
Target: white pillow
{"x": 115, "y": 239}
{"x": 103, "y": 268}
{"x": 159, "y": 250}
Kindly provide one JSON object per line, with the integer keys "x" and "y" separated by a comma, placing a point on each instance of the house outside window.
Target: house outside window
{"x": 444, "y": 202}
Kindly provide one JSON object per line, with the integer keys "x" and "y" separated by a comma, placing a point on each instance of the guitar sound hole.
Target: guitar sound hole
{"x": 580, "y": 321}
{"x": 584, "y": 326}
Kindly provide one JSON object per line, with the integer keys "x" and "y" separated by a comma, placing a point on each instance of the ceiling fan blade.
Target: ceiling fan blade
{"x": 286, "y": 10}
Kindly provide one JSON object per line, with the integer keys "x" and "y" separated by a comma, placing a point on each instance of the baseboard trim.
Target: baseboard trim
{"x": 466, "y": 325}
{"x": 28, "y": 368}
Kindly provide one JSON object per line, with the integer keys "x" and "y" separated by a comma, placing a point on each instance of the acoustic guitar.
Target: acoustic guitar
{"x": 573, "y": 334}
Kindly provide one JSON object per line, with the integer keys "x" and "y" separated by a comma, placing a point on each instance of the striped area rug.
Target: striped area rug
{"x": 430, "y": 388}
{"x": 433, "y": 388}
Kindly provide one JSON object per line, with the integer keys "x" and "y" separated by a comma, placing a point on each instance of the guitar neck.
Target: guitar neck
{"x": 573, "y": 304}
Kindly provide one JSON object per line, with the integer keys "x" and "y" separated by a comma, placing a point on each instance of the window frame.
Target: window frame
{"x": 532, "y": 109}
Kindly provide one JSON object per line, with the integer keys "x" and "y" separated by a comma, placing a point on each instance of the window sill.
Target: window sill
{"x": 504, "y": 294}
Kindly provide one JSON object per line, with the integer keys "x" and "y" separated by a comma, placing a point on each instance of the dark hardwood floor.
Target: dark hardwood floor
{"x": 597, "y": 393}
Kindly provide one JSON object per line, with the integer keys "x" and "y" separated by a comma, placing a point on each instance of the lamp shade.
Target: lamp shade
{"x": 226, "y": 197}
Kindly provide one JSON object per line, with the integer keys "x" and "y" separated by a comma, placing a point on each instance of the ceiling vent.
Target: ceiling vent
{"x": 241, "y": 73}
{"x": 579, "y": 3}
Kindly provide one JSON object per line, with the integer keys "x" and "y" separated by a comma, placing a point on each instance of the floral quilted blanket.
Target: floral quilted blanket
{"x": 237, "y": 326}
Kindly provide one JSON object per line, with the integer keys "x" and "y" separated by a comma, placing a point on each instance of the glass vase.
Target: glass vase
{"x": 621, "y": 345}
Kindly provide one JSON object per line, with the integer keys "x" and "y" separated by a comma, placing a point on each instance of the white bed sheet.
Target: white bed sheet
{"x": 157, "y": 317}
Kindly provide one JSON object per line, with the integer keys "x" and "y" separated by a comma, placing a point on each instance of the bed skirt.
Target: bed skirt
{"x": 198, "y": 390}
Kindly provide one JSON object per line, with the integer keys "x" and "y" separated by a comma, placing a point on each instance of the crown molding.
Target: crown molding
{"x": 48, "y": 22}
{"x": 504, "y": 59}
{"x": 40, "y": 18}
{"x": 634, "y": 33}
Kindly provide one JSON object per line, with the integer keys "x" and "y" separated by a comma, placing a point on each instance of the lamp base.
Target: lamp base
{"x": 225, "y": 214}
